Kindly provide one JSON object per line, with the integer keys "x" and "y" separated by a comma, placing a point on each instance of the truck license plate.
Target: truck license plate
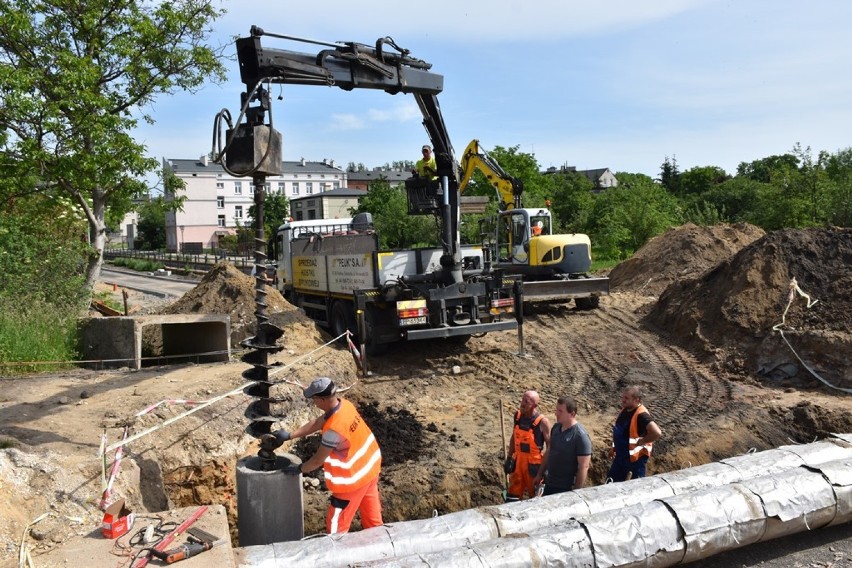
{"x": 413, "y": 321}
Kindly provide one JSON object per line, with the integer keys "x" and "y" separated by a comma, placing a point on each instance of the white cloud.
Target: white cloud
{"x": 346, "y": 122}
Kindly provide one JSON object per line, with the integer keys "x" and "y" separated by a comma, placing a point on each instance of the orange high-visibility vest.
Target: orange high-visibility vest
{"x": 362, "y": 462}
{"x": 637, "y": 451}
{"x": 525, "y": 437}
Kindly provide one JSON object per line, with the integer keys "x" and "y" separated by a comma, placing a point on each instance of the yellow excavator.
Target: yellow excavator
{"x": 521, "y": 240}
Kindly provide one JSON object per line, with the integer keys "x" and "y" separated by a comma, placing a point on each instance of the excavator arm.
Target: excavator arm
{"x": 509, "y": 189}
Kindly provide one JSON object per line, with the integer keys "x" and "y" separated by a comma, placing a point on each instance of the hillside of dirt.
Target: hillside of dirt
{"x": 681, "y": 253}
{"x": 435, "y": 406}
{"x": 729, "y": 312}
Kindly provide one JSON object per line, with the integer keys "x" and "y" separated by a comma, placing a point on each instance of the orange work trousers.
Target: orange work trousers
{"x": 343, "y": 506}
{"x": 521, "y": 480}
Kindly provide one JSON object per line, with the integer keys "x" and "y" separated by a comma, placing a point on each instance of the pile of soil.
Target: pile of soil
{"x": 729, "y": 312}
{"x": 226, "y": 290}
{"x": 681, "y": 253}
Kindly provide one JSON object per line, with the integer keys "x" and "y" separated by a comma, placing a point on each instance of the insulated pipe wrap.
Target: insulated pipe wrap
{"x": 567, "y": 546}
{"x": 839, "y": 474}
{"x": 645, "y": 534}
{"x": 794, "y": 501}
{"x": 718, "y": 519}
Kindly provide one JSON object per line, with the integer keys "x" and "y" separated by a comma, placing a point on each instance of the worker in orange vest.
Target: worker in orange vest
{"x": 526, "y": 447}
{"x": 633, "y": 436}
{"x": 348, "y": 454}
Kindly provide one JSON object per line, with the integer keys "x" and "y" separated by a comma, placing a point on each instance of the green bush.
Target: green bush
{"x": 139, "y": 264}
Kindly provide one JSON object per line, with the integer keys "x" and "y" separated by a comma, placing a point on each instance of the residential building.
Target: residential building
{"x": 334, "y": 204}
{"x": 217, "y": 203}
{"x": 363, "y": 179}
{"x": 601, "y": 178}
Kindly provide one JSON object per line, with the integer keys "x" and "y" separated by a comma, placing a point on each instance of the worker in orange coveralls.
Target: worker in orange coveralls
{"x": 348, "y": 454}
{"x": 526, "y": 447}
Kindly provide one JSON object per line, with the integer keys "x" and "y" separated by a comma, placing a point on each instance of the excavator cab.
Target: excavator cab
{"x": 516, "y": 228}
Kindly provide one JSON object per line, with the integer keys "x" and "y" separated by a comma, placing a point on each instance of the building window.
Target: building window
{"x": 238, "y": 188}
{"x": 238, "y": 212}
{"x": 220, "y": 185}
{"x": 312, "y": 202}
{"x": 299, "y": 216}
{"x": 251, "y": 189}
{"x": 309, "y": 187}
{"x": 335, "y": 185}
{"x": 220, "y": 202}
{"x": 295, "y": 188}
{"x": 221, "y": 221}
{"x": 280, "y": 187}
{"x": 322, "y": 176}
{"x": 312, "y": 214}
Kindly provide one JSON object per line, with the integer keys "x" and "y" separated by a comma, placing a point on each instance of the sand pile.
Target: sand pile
{"x": 681, "y": 253}
{"x": 226, "y": 290}
{"x": 730, "y": 310}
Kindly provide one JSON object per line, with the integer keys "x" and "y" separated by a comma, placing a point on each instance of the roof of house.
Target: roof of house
{"x": 339, "y": 192}
{"x": 290, "y": 167}
{"x": 372, "y": 175}
{"x": 595, "y": 174}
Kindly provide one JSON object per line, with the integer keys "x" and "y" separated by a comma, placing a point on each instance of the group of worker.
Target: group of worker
{"x": 540, "y": 456}
{"x": 547, "y": 460}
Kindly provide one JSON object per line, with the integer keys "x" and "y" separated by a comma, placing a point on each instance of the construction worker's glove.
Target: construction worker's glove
{"x": 274, "y": 440}
{"x": 509, "y": 465}
{"x": 293, "y": 469}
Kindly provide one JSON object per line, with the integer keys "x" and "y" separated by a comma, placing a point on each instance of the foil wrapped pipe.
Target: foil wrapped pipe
{"x": 718, "y": 506}
{"x": 566, "y": 546}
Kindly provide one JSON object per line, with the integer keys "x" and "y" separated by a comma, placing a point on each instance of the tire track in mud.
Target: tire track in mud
{"x": 679, "y": 391}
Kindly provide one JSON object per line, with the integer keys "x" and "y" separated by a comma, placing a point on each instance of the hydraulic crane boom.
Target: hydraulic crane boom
{"x": 254, "y": 147}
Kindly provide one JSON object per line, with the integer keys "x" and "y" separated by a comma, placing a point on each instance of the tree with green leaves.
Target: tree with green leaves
{"x": 839, "y": 170}
{"x": 670, "y": 176}
{"x": 395, "y": 227}
{"x": 151, "y": 225}
{"x": 75, "y": 79}
{"x": 276, "y": 210}
{"x": 623, "y": 218}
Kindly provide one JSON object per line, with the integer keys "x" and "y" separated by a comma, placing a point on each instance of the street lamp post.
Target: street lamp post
{"x": 181, "y": 239}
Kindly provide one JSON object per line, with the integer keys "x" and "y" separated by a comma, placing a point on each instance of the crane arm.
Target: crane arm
{"x": 509, "y": 189}
{"x": 254, "y": 147}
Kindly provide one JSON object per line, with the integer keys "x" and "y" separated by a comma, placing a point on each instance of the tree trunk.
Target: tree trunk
{"x": 97, "y": 239}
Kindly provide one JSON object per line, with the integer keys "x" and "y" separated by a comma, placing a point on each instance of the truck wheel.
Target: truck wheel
{"x": 342, "y": 318}
{"x": 590, "y": 303}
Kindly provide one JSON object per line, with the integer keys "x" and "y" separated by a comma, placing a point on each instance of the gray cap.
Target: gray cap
{"x": 322, "y": 386}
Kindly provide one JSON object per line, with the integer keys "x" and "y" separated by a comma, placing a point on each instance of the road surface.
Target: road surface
{"x": 163, "y": 286}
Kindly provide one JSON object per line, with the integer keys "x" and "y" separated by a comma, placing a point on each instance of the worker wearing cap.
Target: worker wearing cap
{"x": 348, "y": 453}
{"x": 426, "y": 167}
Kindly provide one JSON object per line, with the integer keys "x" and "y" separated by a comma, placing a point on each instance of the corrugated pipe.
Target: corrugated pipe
{"x": 656, "y": 521}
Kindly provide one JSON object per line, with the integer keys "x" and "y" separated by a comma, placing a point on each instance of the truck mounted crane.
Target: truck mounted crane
{"x": 338, "y": 274}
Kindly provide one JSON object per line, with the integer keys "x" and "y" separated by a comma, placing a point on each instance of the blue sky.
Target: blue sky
{"x": 619, "y": 83}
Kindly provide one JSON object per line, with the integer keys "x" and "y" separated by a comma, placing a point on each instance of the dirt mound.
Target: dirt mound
{"x": 681, "y": 253}
{"x": 730, "y": 311}
{"x": 226, "y": 290}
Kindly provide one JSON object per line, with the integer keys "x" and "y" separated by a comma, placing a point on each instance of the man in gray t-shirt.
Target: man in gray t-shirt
{"x": 565, "y": 464}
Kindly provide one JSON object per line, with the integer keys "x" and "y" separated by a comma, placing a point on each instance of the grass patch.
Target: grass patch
{"x": 109, "y": 300}
{"x": 6, "y": 444}
{"x": 33, "y": 335}
{"x": 602, "y": 264}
